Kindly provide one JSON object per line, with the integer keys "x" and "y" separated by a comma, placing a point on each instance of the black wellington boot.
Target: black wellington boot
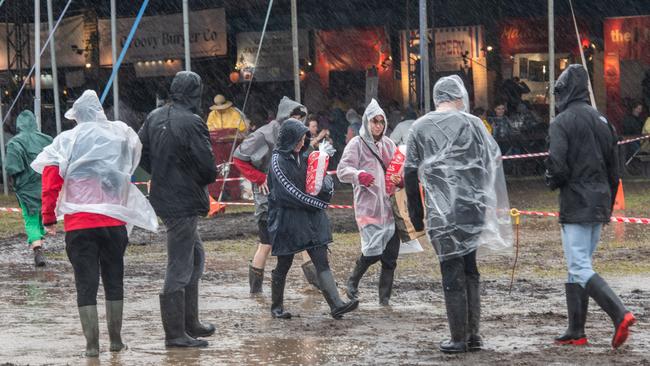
{"x": 39, "y": 258}
{"x": 577, "y": 302}
{"x": 90, "y": 327}
{"x": 331, "y": 294}
{"x": 309, "y": 270}
{"x": 456, "y": 304}
{"x": 255, "y": 279}
{"x": 352, "y": 285}
{"x": 598, "y": 289}
{"x": 474, "y": 339}
{"x": 114, "y": 310}
{"x": 277, "y": 296}
{"x": 385, "y": 285}
{"x": 193, "y": 327}
{"x": 172, "y": 311}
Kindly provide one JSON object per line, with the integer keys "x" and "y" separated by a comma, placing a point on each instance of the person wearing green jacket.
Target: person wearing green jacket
{"x": 22, "y": 149}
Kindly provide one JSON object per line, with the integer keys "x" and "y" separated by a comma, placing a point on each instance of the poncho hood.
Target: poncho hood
{"x": 290, "y": 134}
{"x": 571, "y": 87}
{"x": 186, "y": 90}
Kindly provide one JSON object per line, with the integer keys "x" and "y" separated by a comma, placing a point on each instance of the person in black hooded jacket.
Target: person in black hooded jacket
{"x": 583, "y": 165}
{"x": 297, "y": 220}
{"x": 176, "y": 151}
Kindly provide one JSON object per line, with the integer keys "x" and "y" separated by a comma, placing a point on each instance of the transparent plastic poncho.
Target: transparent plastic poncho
{"x": 460, "y": 170}
{"x": 372, "y": 207}
{"x": 96, "y": 160}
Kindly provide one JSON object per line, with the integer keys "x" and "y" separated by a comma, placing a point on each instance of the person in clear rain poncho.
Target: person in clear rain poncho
{"x": 363, "y": 165}
{"x": 87, "y": 181}
{"x": 458, "y": 164}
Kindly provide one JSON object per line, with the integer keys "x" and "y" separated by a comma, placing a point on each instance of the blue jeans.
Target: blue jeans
{"x": 579, "y": 242}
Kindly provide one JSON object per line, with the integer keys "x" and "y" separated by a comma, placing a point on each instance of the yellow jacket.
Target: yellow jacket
{"x": 227, "y": 118}
{"x": 487, "y": 125}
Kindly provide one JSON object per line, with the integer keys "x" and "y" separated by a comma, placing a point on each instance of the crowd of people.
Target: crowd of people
{"x": 452, "y": 176}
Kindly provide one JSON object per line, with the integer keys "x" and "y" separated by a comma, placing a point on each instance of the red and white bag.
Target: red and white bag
{"x": 317, "y": 163}
{"x": 394, "y": 168}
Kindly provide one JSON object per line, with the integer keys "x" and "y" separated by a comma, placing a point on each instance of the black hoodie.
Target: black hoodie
{"x": 297, "y": 220}
{"x": 176, "y": 151}
{"x": 583, "y": 159}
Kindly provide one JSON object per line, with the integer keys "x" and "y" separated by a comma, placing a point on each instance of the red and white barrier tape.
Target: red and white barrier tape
{"x": 10, "y": 209}
{"x": 627, "y": 220}
{"x": 524, "y": 156}
{"x": 644, "y": 137}
{"x": 338, "y": 207}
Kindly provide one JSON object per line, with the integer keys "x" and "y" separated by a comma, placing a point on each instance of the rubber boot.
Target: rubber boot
{"x": 90, "y": 326}
{"x": 385, "y": 285}
{"x": 277, "y": 296}
{"x": 172, "y": 311}
{"x": 193, "y": 326}
{"x": 114, "y": 310}
{"x": 474, "y": 339}
{"x": 456, "y": 303}
{"x": 577, "y": 302}
{"x": 598, "y": 289}
{"x": 255, "y": 279}
{"x": 39, "y": 258}
{"x": 309, "y": 270}
{"x": 352, "y": 286}
{"x": 331, "y": 294}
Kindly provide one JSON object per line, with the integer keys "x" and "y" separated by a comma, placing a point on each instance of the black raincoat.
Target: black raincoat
{"x": 176, "y": 151}
{"x": 583, "y": 159}
{"x": 297, "y": 220}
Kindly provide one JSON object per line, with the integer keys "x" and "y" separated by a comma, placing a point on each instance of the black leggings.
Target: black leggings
{"x": 455, "y": 271}
{"x": 389, "y": 257}
{"x": 95, "y": 251}
{"x": 318, "y": 256}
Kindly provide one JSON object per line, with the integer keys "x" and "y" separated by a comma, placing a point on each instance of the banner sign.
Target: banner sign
{"x": 629, "y": 37}
{"x": 161, "y": 37}
{"x": 68, "y": 38}
{"x": 276, "y": 56}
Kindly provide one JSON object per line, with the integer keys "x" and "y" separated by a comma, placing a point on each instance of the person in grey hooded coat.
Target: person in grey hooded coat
{"x": 252, "y": 158}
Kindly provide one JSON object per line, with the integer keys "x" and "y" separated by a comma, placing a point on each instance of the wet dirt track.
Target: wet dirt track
{"x": 39, "y": 321}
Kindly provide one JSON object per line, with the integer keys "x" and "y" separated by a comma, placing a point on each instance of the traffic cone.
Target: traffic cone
{"x": 619, "y": 202}
{"x": 215, "y": 207}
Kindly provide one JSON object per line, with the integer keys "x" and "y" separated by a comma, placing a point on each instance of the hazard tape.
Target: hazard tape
{"x": 626, "y": 220}
{"x": 524, "y": 156}
{"x": 644, "y": 137}
{"x": 10, "y": 209}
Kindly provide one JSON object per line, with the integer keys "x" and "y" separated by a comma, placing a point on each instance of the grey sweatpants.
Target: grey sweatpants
{"x": 185, "y": 255}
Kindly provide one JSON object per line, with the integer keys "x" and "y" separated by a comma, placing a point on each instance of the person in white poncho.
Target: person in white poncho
{"x": 458, "y": 163}
{"x": 363, "y": 165}
{"x": 87, "y": 181}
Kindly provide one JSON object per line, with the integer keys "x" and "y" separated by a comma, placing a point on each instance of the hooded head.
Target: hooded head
{"x": 287, "y": 107}
{"x": 372, "y": 110}
{"x": 290, "y": 134}
{"x": 26, "y": 122}
{"x": 87, "y": 108}
{"x": 571, "y": 87}
{"x": 352, "y": 116}
{"x": 451, "y": 89}
{"x": 186, "y": 90}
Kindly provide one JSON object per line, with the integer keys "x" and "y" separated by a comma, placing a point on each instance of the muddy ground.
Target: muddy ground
{"x": 39, "y": 322}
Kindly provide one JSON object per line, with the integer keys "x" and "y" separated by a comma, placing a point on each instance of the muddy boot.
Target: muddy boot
{"x": 456, "y": 303}
{"x": 385, "y": 285}
{"x": 193, "y": 326}
{"x": 598, "y": 289}
{"x": 90, "y": 326}
{"x": 255, "y": 279}
{"x": 309, "y": 270}
{"x": 39, "y": 258}
{"x": 577, "y": 302}
{"x": 114, "y": 310}
{"x": 277, "y": 297}
{"x": 331, "y": 294}
{"x": 352, "y": 285}
{"x": 172, "y": 311}
{"x": 474, "y": 339}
